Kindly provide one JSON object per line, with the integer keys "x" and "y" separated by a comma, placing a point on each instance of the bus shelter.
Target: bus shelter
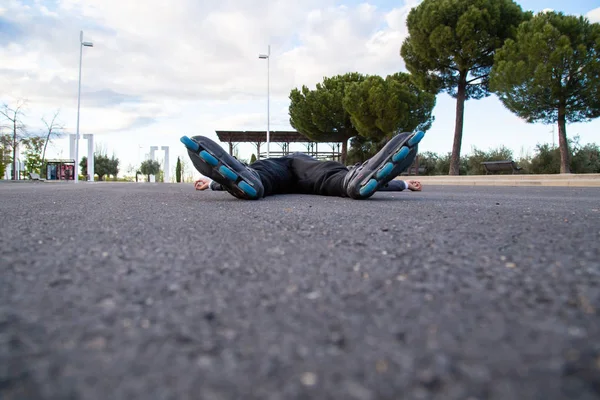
{"x": 60, "y": 170}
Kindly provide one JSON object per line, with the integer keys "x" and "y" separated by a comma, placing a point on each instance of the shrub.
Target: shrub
{"x": 474, "y": 160}
{"x": 443, "y": 165}
{"x": 546, "y": 160}
{"x": 586, "y": 160}
{"x": 429, "y": 161}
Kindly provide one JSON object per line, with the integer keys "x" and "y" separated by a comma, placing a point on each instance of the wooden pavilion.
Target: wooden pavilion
{"x": 330, "y": 150}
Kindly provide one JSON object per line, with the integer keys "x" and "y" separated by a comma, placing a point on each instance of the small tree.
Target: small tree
{"x": 551, "y": 73}
{"x": 83, "y": 165}
{"x": 17, "y": 128}
{"x": 130, "y": 169}
{"x": 53, "y": 128}
{"x": 5, "y": 157}
{"x": 113, "y": 167}
{"x": 103, "y": 166}
{"x": 184, "y": 166}
{"x": 178, "y": 171}
{"x": 253, "y": 158}
{"x": 150, "y": 167}
{"x": 33, "y": 153}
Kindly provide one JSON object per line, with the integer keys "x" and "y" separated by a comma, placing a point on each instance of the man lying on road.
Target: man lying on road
{"x": 302, "y": 174}
{"x": 392, "y": 186}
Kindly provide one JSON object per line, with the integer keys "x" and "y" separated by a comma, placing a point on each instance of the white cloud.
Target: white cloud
{"x": 341, "y": 39}
{"x": 150, "y": 59}
{"x": 594, "y": 15}
{"x": 194, "y": 52}
{"x": 44, "y": 10}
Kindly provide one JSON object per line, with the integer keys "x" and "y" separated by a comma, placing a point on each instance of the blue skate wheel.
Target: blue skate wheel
{"x": 416, "y": 138}
{"x": 249, "y": 190}
{"x": 189, "y": 143}
{"x": 369, "y": 188}
{"x": 227, "y": 173}
{"x": 209, "y": 158}
{"x": 385, "y": 171}
{"x": 401, "y": 154}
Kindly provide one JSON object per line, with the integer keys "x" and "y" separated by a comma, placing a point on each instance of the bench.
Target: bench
{"x": 497, "y": 166}
{"x": 35, "y": 177}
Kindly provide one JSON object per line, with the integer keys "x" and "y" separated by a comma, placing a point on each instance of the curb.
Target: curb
{"x": 563, "y": 180}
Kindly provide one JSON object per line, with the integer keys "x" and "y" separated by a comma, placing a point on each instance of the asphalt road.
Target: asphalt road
{"x": 155, "y": 291}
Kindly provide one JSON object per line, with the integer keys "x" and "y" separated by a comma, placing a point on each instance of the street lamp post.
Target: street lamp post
{"x": 81, "y": 45}
{"x": 268, "y": 58}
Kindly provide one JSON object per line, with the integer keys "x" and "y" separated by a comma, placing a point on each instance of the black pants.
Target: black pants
{"x": 301, "y": 173}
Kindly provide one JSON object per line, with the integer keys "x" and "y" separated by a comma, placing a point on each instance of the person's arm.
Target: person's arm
{"x": 205, "y": 183}
{"x": 216, "y": 186}
{"x": 395, "y": 185}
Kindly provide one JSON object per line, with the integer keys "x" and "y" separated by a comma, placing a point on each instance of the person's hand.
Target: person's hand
{"x": 415, "y": 186}
{"x": 202, "y": 184}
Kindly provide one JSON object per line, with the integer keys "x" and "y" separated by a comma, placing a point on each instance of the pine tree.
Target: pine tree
{"x": 550, "y": 73}
{"x": 451, "y": 48}
{"x": 178, "y": 171}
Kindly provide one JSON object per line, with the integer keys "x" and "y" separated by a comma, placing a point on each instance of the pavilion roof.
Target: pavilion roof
{"x": 261, "y": 136}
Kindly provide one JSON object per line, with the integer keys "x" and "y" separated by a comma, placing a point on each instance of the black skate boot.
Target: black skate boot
{"x": 212, "y": 161}
{"x": 395, "y": 157}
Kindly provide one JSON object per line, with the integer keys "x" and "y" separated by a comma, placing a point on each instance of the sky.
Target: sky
{"x": 159, "y": 70}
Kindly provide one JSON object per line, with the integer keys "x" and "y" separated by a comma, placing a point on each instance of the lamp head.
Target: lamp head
{"x": 263, "y": 56}
{"x": 87, "y": 44}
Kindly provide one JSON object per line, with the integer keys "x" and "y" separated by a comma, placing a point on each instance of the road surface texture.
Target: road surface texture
{"x": 156, "y": 291}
